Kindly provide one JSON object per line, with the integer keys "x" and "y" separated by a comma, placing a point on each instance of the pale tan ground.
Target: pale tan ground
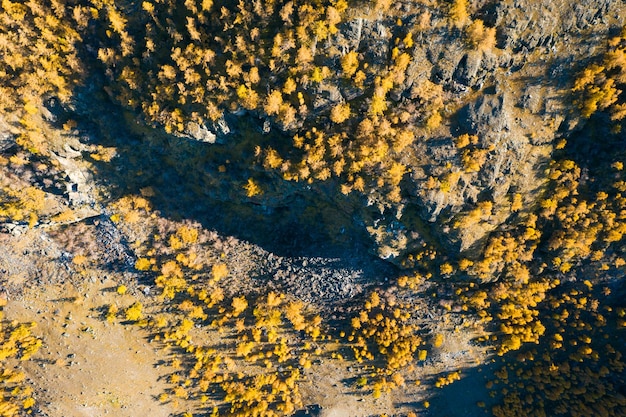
{"x": 86, "y": 366}
{"x": 324, "y": 386}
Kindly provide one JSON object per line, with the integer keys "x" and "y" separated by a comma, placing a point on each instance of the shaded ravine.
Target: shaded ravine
{"x": 308, "y": 234}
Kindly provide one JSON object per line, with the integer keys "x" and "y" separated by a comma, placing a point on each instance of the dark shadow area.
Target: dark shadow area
{"x": 595, "y": 148}
{"x": 310, "y": 410}
{"x": 553, "y": 373}
{"x": 187, "y": 179}
{"x": 463, "y": 398}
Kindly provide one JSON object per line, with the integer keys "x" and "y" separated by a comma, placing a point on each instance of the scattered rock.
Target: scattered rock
{"x": 200, "y": 133}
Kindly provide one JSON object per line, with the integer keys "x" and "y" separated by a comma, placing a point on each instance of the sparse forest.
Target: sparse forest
{"x": 312, "y": 207}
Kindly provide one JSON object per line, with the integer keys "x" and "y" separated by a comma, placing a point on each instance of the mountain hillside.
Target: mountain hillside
{"x": 312, "y": 207}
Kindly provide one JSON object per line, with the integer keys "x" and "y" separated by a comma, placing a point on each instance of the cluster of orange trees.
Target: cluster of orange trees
{"x": 287, "y": 63}
{"x": 283, "y": 62}
{"x": 276, "y": 61}
{"x": 598, "y": 85}
{"x": 576, "y": 369}
{"x": 16, "y": 342}
{"x": 240, "y": 355}
{"x": 385, "y": 340}
{"x": 40, "y": 59}
{"x": 547, "y": 290}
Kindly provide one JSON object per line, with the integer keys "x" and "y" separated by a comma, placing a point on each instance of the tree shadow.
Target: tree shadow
{"x": 468, "y": 394}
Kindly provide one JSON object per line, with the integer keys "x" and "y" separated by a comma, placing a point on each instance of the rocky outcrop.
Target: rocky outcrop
{"x": 523, "y": 102}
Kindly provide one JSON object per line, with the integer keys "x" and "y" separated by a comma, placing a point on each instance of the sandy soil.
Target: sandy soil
{"x": 86, "y": 366}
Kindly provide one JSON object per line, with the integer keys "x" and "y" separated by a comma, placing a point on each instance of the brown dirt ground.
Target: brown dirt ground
{"x": 86, "y": 366}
